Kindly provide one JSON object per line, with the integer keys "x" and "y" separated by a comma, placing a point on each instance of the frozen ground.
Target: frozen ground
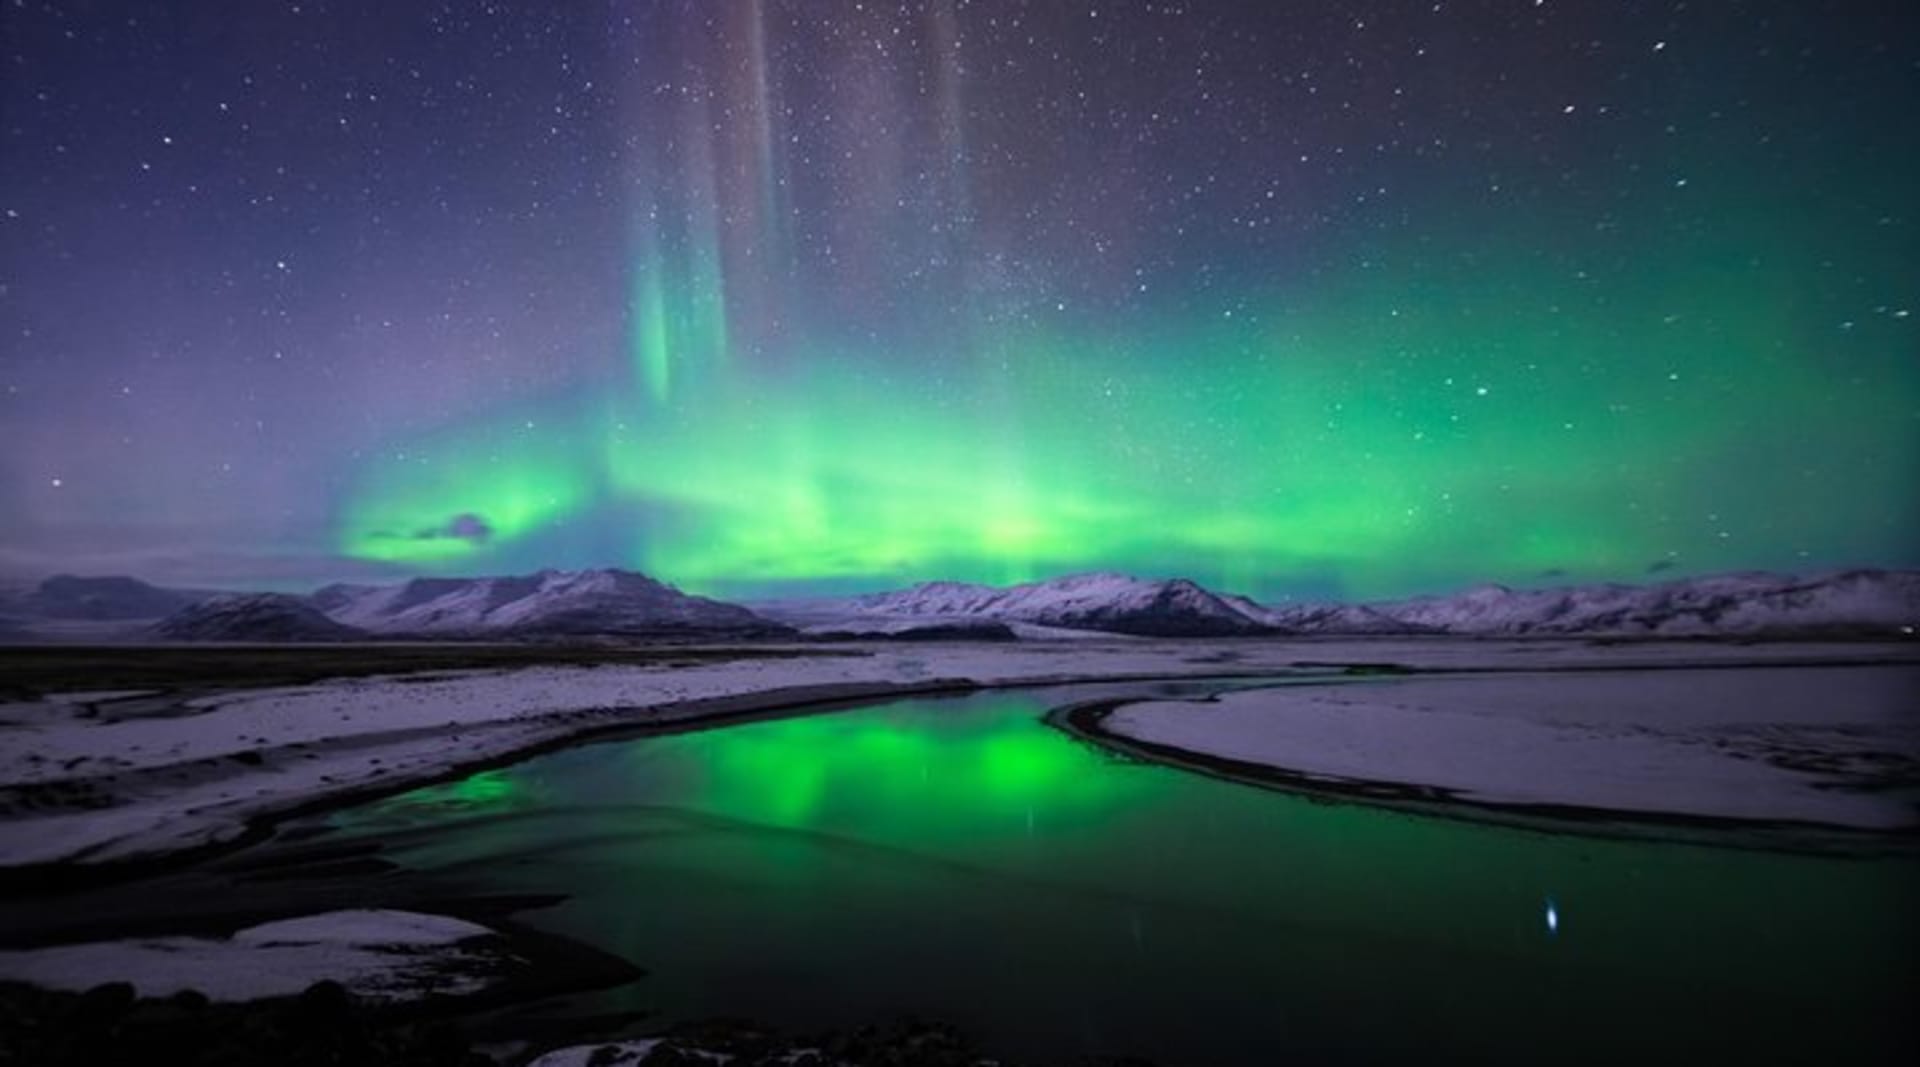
{"x": 376, "y": 954}
{"x": 79, "y": 785}
{"x": 1837, "y": 746}
{"x": 605, "y": 1054}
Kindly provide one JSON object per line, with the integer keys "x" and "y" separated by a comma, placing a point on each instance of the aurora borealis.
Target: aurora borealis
{"x": 768, "y": 297}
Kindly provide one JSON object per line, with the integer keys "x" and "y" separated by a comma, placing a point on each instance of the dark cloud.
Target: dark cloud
{"x": 465, "y": 526}
{"x": 1659, "y": 565}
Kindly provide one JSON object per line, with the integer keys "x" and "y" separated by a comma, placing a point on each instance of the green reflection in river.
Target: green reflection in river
{"x": 959, "y": 859}
{"x": 483, "y": 793}
{"x": 936, "y": 777}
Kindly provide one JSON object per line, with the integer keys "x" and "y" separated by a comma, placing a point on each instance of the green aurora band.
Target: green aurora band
{"x": 1711, "y": 424}
{"x": 1587, "y": 375}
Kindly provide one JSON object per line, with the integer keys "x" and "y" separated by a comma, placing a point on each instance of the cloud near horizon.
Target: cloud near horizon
{"x": 216, "y": 569}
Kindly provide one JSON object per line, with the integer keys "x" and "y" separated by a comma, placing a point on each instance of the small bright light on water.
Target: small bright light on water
{"x": 1553, "y": 917}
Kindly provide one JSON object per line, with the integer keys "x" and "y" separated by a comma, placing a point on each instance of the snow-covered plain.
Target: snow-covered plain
{"x": 85, "y": 790}
{"x": 1836, "y": 746}
{"x": 380, "y": 955}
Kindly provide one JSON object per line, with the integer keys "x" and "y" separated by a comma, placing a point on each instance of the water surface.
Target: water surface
{"x": 961, "y": 860}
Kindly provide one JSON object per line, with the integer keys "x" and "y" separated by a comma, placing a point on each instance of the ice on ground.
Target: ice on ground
{"x": 376, "y": 954}
{"x": 1835, "y": 745}
{"x": 366, "y": 926}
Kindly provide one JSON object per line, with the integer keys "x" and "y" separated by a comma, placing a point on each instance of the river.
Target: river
{"x": 960, "y": 859}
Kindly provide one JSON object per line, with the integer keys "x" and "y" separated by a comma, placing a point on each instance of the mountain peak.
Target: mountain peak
{"x": 595, "y": 601}
{"x": 1852, "y": 602}
{"x": 1860, "y": 602}
{"x": 1094, "y": 600}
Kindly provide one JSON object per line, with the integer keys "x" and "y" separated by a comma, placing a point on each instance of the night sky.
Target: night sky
{"x": 1306, "y": 299}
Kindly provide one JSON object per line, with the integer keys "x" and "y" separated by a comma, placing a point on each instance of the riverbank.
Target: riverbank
{"x": 1787, "y": 755}
{"x": 118, "y": 759}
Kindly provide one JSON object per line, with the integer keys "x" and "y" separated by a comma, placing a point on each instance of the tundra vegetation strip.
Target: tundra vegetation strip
{"x": 33, "y": 670}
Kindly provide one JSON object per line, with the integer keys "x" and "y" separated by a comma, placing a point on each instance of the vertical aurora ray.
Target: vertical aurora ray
{"x": 761, "y": 167}
{"x": 678, "y": 319}
{"x": 651, "y": 328}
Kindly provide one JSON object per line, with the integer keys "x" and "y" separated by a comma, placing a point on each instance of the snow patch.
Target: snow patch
{"x": 1835, "y": 746}
{"x": 607, "y": 1054}
{"x": 376, "y": 954}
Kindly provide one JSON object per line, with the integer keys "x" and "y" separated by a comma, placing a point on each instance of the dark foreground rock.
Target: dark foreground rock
{"x": 324, "y": 1025}
{"x": 737, "y": 1043}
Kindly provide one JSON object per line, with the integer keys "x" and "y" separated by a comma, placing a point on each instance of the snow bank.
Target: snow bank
{"x": 1835, "y": 746}
{"x": 605, "y": 1054}
{"x": 379, "y": 955}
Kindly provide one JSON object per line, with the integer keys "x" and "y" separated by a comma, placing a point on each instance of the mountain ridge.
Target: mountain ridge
{"x": 1854, "y": 602}
{"x": 254, "y": 617}
{"x": 545, "y": 603}
{"x": 1857, "y": 602}
{"x": 1097, "y": 600}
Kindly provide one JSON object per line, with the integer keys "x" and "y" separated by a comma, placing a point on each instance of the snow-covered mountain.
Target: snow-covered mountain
{"x": 1113, "y": 603}
{"x": 1847, "y": 603}
{"x": 1857, "y": 602}
{"x": 253, "y": 617}
{"x": 1327, "y": 618}
{"x": 550, "y": 602}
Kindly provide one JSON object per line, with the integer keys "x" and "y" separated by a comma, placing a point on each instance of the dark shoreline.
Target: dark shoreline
{"x": 30, "y": 670}
{"x": 60, "y": 877}
{"x": 28, "y": 880}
